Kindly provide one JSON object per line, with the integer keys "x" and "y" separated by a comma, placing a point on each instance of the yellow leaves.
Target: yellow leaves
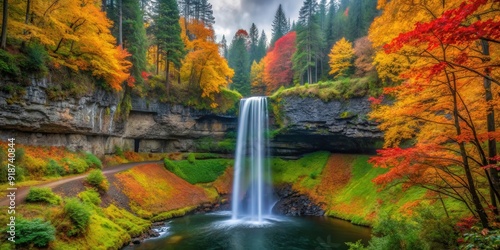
{"x": 203, "y": 65}
{"x": 257, "y": 83}
{"x": 77, "y": 35}
{"x": 340, "y": 55}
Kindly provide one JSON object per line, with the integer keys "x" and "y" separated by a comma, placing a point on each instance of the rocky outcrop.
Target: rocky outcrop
{"x": 309, "y": 124}
{"x": 91, "y": 122}
{"x": 292, "y": 203}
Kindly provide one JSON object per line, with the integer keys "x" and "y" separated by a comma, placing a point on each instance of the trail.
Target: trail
{"x": 21, "y": 193}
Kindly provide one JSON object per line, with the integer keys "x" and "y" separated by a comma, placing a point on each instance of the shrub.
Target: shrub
{"x": 92, "y": 160}
{"x": 76, "y": 166}
{"x": 191, "y": 158}
{"x": 90, "y": 196}
{"x": 97, "y": 180}
{"x": 43, "y": 194}
{"x": 36, "y": 59}
{"x": 78, "y": 213}
{"x": 9, "y": 64}
{"x": 36, "y": 232}
{"x": 119, "y": 151}
{"x": 54, "y": 169}
{"x": 481, "y": 239}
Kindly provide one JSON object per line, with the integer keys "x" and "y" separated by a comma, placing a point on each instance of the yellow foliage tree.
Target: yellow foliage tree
{"x": 203, "y": 67}
{"x": 341, "y": 56}
{"x": 76, "y": 34}
{"x": 258, "y": 86}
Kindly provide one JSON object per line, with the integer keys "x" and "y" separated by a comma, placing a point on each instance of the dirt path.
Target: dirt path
{"x": 21, "y": 193}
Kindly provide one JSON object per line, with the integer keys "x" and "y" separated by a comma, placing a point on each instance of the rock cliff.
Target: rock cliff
{"x": 92, "y": 123}
{"x": 309, "y": 124}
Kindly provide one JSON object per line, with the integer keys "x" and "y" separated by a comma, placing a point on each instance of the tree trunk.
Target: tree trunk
{"x": 490, "y": 120}
{"x": 5, "y": 13}
{"x": 120, "y": 24}
{"x": 28, "y": 7}
{"x": 483, "y": 217}
{"x": 103, "y": 5}
{"x": 157, "y": 59}
{"x": 167, "y": 74}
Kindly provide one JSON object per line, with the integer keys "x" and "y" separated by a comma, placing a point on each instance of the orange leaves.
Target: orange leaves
{"x": 77, "y": 36}
{"x": 203, "y": 65}
{"x": 171, "y": 192}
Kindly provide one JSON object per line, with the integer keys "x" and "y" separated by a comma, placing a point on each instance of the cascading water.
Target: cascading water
{"x": 252, "y": 192}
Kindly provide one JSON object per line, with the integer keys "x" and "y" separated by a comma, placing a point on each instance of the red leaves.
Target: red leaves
{"x": 241, "y": 33}
{"x": 376, "y": 100}
{"x": 278, "y": 69}
{"x": 449, "y": 29}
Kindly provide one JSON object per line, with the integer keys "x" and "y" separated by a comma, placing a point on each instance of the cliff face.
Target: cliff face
{"x": 309, "y": 124}
{"x": 92, "y": 123}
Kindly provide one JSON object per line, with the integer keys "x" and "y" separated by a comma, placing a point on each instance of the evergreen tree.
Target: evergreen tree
{"x": 239, "y": 61}
{"x": 200, "y": 10}
{"x": 280, "y": 25}
{"x": 223, "y": 47}
{"x": 309, "y": 42}
{"x": 254, "y": 43}
{"x": 168, "y": 34}
{"x": 134, "y": 37}
{"x": 261, "y": 47}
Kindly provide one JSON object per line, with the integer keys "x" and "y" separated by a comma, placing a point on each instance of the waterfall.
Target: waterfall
{"x": 252, "y": 192}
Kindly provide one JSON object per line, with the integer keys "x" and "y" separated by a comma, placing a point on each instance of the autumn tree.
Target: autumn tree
{"x": 239, "y": 61}
{"x": 341, "y": 56}
{"x": 363, "y": 52}
{"x": 81, "y": 41}
{"x": 449, "y": 119}
{"x": 280, "y": 25}
{"x": 203, "y": 68}
{"x": 278, "y": 63}
{"x": 258, "y": 86}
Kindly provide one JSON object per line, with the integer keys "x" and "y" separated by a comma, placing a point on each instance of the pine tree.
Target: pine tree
{"x": 200, "y": 10}
{"x": 134, "y": 37}
{"x": 238, "y": 60}
{"x": 223, "y": 47}
{"x": 309, "y": 42}
{"x": 254, "y": 43}
{"x": 261, "y": 47}
{"x": 280, "y": 25}
{"x": 168, "y": 34}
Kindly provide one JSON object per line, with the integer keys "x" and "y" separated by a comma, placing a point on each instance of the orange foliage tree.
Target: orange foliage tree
{"x": 203, "y": 68}
{"x": 440, "y": 112}
{"x": 76, "y": 34}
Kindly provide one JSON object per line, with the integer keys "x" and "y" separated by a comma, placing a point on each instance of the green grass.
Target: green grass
{"x": 309, "y": 166}
{"x": 200, "y": 171}
{"x": 172, "y": 214}
{"x": 365, "y": 198}
{"x": 343, "y": 88}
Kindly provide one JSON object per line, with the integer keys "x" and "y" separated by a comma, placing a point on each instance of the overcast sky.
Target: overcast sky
{"x": 231, "y": 15}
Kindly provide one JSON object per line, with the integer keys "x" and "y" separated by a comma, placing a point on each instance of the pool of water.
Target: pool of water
{"x": 218, "y": 231}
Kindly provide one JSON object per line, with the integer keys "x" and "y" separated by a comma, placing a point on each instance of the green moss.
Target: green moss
{"x": 129, "y": 222}
{"x": 200, "y": 171}
{"x": 172, "y": 214}
{"x": 343, "y": 88}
